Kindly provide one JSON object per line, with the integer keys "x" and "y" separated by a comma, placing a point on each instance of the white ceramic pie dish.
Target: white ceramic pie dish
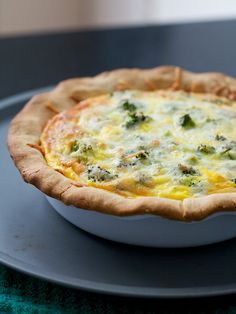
{"x": 150, "y": 230}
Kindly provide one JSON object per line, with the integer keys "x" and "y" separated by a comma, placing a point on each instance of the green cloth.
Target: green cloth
{"x": 21, "y": 294}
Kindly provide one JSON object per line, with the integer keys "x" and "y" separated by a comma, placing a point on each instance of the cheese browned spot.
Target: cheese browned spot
{"x": 165, "y": 143}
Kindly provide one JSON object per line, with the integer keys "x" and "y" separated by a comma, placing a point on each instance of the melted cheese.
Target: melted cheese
{"x": 162, "y": 143}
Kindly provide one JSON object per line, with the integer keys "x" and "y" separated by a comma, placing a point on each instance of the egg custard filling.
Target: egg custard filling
{"x": 169, "y": 144}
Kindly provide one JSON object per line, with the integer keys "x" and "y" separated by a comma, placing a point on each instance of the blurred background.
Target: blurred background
{"x": 32, "y": 16}
{"x": 45, "y": 41}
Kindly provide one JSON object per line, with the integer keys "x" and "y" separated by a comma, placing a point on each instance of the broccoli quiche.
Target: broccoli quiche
{"x": 131, "y": 141}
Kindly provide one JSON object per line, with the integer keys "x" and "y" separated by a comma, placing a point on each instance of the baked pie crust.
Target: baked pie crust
{"x": 25, "y": 141}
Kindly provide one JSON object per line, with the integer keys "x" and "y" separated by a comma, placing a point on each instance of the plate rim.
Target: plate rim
{"x": 99, "y": 287}
{"x": 115, "y": 289}
{"x": 22, "y": 96}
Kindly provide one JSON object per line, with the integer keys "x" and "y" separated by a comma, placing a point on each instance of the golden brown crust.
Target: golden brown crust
{"x": 27, "y": 126}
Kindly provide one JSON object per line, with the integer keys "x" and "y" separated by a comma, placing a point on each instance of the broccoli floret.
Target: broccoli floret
{"x": 135, "y": 118}
{"x": 142, "y": 155}
{"x": 188, "y": 170}
{"x": 187, "y": 122}
{"x": 206, "y": 149}
{"x": 99, "y": 174}
{"x": 81, "y": 150}
{"x": 86, "y": 148}
{"x": 220, "y": 137}
{"x": 81, "y": 147}
{"x": 75, "y": 146}
{"x": 128, "y": 106}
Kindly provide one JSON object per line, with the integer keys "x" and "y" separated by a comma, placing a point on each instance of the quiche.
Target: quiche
{"x": 131, "y": 141}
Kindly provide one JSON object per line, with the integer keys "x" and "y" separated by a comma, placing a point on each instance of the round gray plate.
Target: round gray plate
{"x": 36, "y": 240}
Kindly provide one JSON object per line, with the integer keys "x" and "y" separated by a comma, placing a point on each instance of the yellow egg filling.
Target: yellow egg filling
{"x": 170, "y": 144}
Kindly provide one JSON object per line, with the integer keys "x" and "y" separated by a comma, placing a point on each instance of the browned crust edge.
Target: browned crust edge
{"x": 27, "y": 127}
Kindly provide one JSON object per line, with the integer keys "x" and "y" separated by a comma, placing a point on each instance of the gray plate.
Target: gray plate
{"x": 36, "y": 240}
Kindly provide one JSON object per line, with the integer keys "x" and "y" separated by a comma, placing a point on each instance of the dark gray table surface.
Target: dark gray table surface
{"x": 35, "y": 61}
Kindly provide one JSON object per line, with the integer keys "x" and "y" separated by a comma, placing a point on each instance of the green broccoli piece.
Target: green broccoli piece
{"x": 75, "y": 146}
{"x": 99, "y": 174}
{"x": 188, "y": 170}
{"x": 187, "y": 122}
{"x": 220, "y": 137}
{"x": 128, "y": 106}
{"x": 142, "y": 155}
{"x": 135, "y": 118}
{"x": 206, "y": 149}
